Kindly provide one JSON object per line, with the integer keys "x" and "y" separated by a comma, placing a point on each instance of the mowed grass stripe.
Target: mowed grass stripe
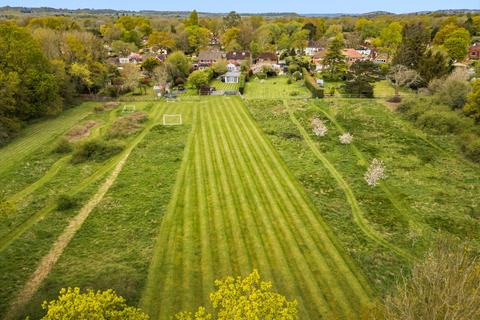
{"x": 162, "y": 264}
{"x": 241, "y": 263}
{"x": 222, "y": 249}
{"x": 299, "y": 202}
{"x": 297, "y": 239}
{"x": 246, "y": 207}
{"x": 286, "y": 278}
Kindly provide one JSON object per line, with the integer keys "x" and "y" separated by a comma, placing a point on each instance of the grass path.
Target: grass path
{"x": 237, "y": 207}
{"x": 38, "y": 135}
{"x": 400, "y": 206}
{"x": 357, "y": 212}
{"x": 48, "y": 261}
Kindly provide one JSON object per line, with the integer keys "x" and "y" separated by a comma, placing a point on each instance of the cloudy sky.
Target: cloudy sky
{"x": 255, "y": 6}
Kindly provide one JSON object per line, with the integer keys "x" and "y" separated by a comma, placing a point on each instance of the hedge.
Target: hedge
{"x": 311, "y": 84}
{"x": 241, "y": 87}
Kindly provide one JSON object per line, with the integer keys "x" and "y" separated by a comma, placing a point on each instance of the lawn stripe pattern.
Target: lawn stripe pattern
{"x": 237, "y": 207}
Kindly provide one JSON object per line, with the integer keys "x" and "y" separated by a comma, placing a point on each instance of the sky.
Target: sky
{"x": 257, "y": 6}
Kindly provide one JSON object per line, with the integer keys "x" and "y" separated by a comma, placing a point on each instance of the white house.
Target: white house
{"x": 231, "y": 67}
{"x": 313, "y": 47}
{"x": 231, "y": 77}
{"x": 124, "y": 60}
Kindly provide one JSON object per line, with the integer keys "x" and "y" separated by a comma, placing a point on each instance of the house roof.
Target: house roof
{"x": 238, "y": 55}
{"x": 232, "y": 74}
{"x": 319, "y": 54}
{"x": 268, "y": 56}
{"x": 210, "y": 54}
{"x": 352, "y": 53}
{"x": 314, "y": 44}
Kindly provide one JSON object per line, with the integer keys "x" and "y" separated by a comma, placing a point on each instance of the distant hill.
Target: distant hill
{"x": 59, "y": 11}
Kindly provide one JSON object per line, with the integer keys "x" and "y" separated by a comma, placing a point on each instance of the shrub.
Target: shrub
{"x": 443, "y": 285}
{"x": 127, "y": 125}
{"x": 441, "y": 122}
{"x": 261, "y": 75}
{"x": 63, "y": 146}
{"x": 451, "y": 91}
{"x": 66, "y": 202}
{"x": 7, "y": 208}
{"x": 297, "y": 75}
{"x": 289, "y": 81}
{"x": 470, "y": 146}
{"x": 96, "y": 150}
{"x": 311, "y": 85}
{"x": 99, "y": 109}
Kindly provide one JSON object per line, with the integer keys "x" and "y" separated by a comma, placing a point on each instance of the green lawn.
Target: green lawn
{"x": 275, "y": 88}
{"x": 242, "y": 184}
{"x": 236, "y": 207}
{"x": 219, "y": 85}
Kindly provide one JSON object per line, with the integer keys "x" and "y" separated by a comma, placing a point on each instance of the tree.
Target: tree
{"x": 401, "y": 76}
{"x": 178, "y": 66}
{"x": 231, "y": 20}
{"x": 444, "y": 285}
{"x": 334, "y": 60}
{"x": 230, "y": 35}
{"x": 456, "y": 44}
{"x": 150, "y": 64}
{"x": 161, "y": 39}
{"x": 193, "y": 19}
{"x": 246, "y": 298}
{"x": 82, "y": 77}
{"x": 472, "y": 108}
{"x": 131, "y": 76}
{"x": 123, "y": 48}
{"x": 415, "y": 38}
{"x": 198, "y": 79}
{"x": 360, "y": 78}
{"x": 312, "y": 30}
{"x": 390, "y": 38}
{"x": 433, "y": 65}
{"x": 198, "y": 37}
{"x": 444, "y": 31}
{"x": 219, "y": 68}
{"x": 21, "y": 58}
{"x": 73, "y": 304}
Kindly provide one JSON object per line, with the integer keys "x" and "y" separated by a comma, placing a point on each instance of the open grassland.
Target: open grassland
{"x": 236, "y": 207}
{"x": 275, "y": 88}
{"x": 34, "y": 222}
{"x": 407, "y": 211}
{"x": 37, "y": 136}
{"x": 114, "y": 246}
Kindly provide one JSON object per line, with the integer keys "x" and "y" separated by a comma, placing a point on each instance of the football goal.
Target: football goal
{"x": 129, "y": 108}
{"x": 172, "y": 119}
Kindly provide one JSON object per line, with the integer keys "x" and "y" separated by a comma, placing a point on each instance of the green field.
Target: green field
{"x": 242, "y": 184}
{"x": 222, "y": 86}
{"x": 275, "y": 88}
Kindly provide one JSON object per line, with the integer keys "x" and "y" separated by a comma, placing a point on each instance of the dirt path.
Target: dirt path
{"x": 48, "y": 261}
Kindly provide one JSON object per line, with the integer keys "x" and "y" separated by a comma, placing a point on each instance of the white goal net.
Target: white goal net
{"x": 172, "y": 119}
